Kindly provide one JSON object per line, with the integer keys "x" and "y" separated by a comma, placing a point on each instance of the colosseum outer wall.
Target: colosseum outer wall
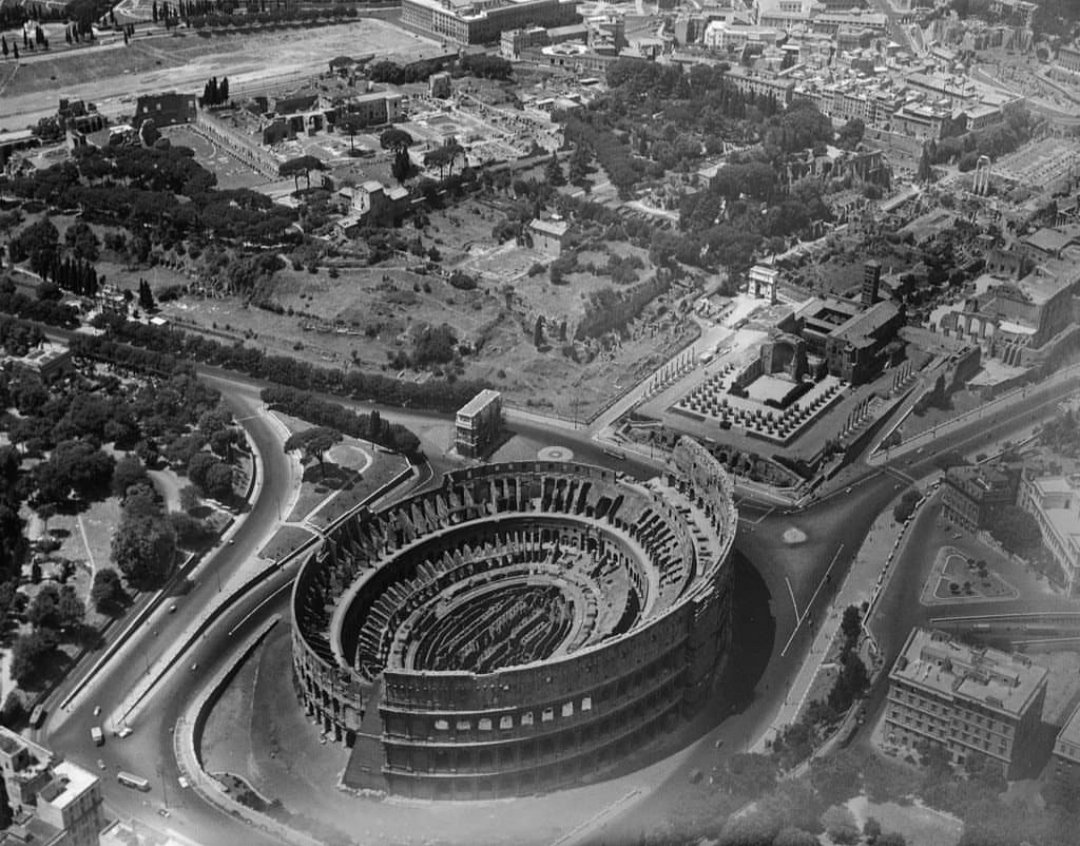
{"x": 551, "y": 723}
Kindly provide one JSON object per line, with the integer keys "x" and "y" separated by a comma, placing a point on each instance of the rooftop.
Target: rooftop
{"x": 72, "y": 782}
{"x": 557, "y": 228}
{"x": 868, "y": 322}
{"x": 949, "y": 669}
{"x": 479, "y": 402}
{"x": 1069, "y": 734}
{"x": 1050, "y": 240}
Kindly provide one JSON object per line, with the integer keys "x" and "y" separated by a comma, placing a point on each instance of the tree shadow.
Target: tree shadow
{"x": 329, "y": 475}
{"x": 88, "y": 637}
{"x": 50, "y": 668}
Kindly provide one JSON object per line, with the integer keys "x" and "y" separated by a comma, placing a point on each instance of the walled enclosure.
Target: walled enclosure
{"x": 524, "y": 627}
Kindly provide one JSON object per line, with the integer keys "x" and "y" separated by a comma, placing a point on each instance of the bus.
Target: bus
{"x": 133, "y": 781}
{"x": 37, "y": 716}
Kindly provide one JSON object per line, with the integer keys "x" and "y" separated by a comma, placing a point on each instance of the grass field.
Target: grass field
{"x": 112, "y": 75}
{"x": 242, "y": 56}
{"x": 284, "y": 541}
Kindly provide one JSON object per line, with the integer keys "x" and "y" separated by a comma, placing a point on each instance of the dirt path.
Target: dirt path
{"x": 169, "y": 486}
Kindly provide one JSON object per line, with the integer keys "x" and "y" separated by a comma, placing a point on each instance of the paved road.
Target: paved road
{"x": 149, "y": 747}
{"x": 896, "y": 30}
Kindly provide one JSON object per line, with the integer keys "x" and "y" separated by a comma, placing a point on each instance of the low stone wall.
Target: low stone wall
{"x": 187, "y": 738}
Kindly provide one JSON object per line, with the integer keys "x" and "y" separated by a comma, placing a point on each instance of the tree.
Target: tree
{"x": 222, "y": 441}
{"x": 198, "y": 467}
{"x": 146, "y": 297}
{"x": 37, "y": 242}
{"x": 191, "y": 532}
{"x": 850, "y": 685}
{"x": 26, "y": 656}
{"x": 107, "y": 592}
{"x": 70, "y": 609}
{"x": 794, "y": 837}
{"x": 82, "y": 241}
{"x": 1015, "y": 529}
{"x": 74, "y": 465}
{"x": 351, "y": 123}
{"x": 840, "y": 825}
{"x": 851, "y": 133}
{"x": 553, "y": 171}
{"x": 302, "y": 165}
{"x": 439, "y": 157}
{"x": 144, "y": 548}
{"x": 314, "y": 443}
{"x": 149, "y": 134}
{"x": 129, "y": 472}
{"x": 189, "y": 498}
{"x": 42, "y": 611}
{"x": 395, "y": 139}
{"x": 906, "y": 506}
{"x": 925, "y": 172}
{"x": 579, "y": 166}
{"x": 219, "y": 482}
{"x": 835, "y": 778}
{"x": 45, "y": 511}
{"x": 748, "y": 774}
{"x": 851, "y": 624}
{"x": 402, "y": 165}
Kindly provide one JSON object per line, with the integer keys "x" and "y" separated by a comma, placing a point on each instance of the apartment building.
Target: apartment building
{"x": 53, "y": 801}
{"x": 972, "y": 494}
{"x": 1054, "y": 501}
{"x": 1066, "y": 756}
{"x": 966, "y": 699}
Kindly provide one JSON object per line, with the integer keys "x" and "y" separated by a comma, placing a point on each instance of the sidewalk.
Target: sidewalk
{"x": 1064, "y": 378}
{"x": 859, "y": 586}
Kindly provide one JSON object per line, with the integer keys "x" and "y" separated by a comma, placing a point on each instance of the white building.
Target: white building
{"x": 54, "y": 802}
{"x": 1054, "y": 501}
{"x": 478, "y": 422}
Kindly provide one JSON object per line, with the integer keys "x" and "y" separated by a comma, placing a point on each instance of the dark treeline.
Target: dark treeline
{"x": 169, "y": 341}
{"x": 395, "y": 74}
{"x": 123, "y": 356}
{"x": 370, "y": 427}
{"x": 162, "y": 192}
{"x": 48, "y": 312}
{"x": 74, "y": 275}
{"x": 657, "y": 118}
{"x": 274, "y": 15}
{"x": 216, "y": 93}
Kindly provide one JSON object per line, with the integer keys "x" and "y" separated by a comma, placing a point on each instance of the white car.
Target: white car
{"x": 184, "y": 783}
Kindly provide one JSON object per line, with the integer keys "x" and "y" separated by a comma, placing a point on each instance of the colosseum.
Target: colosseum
{"x": 524, "y": 627}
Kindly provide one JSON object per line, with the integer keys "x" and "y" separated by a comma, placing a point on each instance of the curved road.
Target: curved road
{"x": 148, "y": 750}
